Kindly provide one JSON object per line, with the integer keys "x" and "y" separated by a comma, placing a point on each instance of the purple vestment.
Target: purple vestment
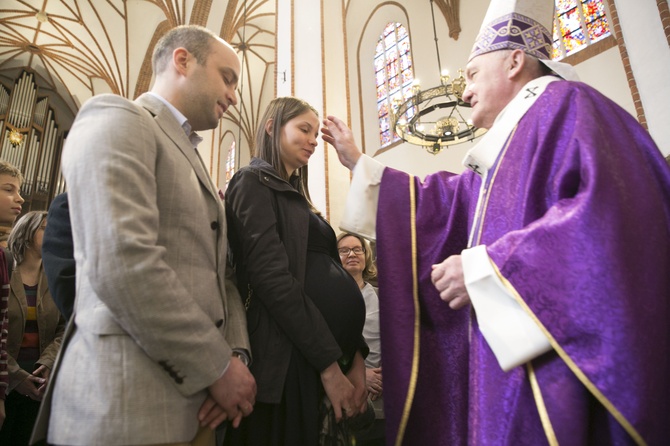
{"x": 577, "y": 219}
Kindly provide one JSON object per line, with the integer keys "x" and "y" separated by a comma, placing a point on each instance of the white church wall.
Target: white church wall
{"x": 605, "y": 72}
{"x": 649, "y": 55}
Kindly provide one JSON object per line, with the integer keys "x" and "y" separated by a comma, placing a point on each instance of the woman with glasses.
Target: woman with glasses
{"x": 356, "y": 258}
{"x": 305, "y": 314}
{"x": 36, "y": 329}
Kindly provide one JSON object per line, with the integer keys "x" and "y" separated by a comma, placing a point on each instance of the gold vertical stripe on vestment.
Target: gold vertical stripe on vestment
{"x": 541, "y": 408}
{"x": 635, "y": 435}
{"x": 415, "y": 297}
{"x": 555, "y": 345}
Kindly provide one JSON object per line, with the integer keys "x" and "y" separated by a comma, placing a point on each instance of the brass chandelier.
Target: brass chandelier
{"x": 411, "y": 120}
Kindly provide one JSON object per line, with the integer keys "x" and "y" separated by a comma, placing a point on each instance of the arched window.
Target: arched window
{"x": 230, "y": 162}
{"x": 578, "y": 24}
{"x": 394, "y": 77}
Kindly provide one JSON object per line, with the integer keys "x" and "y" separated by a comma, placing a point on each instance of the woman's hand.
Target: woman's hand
{"x": 43, "y": 372}
{"x": 30, "y": 387}
{"x": 357, "y": 377}
{"x": 339, "y": 390}
{"x": 373, "y": 380}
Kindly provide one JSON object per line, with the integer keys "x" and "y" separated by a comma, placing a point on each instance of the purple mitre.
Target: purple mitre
{"x": 513, "y": 31}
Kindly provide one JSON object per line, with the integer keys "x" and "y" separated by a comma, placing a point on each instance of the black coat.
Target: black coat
{"x": 268, "y": 221}
{"x": 58, "y": 255}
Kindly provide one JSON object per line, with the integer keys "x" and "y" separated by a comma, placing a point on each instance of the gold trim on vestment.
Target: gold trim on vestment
{"x": 417, "y": 323}
{"x": 572, "y": 365}
{"x": 541, "y": 408}
{"x": 555, "y": 345}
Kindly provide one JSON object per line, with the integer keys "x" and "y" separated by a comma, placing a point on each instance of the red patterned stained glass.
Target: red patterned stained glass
{"x": 570, "y": 21}
{"x": 382, "y": 108}
{"x": 379, "y": 63}
{"x": 598, "y": 29}
{"x": 578, "y": 26}
{"x": 556, "y": 50}
{"x": 393, "y": 75}
{"x": 381, "y": 92}
{"x": 405, "y": 63}
{"x": 384, "y": 123}
{"x": 391, "y": 62}
{"x": 379, "y": 49}
{"x": 404, "y": 46}
{"x": 385, "y": 138}
{"x": 407, "y": 76}
{"x": 556, "y": 37}
{"x": 389, "y": 40}
{"x": 574, "y": 41}
{"x": 380, "y": 78}
{"x": 230, "y": 162}
{"x": 391, "y": 55}
{"x": 564, "y": 5}
{"x": 593, "y": 10}
{"x": 394, "y": 83}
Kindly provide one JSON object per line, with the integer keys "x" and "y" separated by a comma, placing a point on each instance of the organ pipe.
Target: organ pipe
{"x": 4, "y": 100}
{"x": 38, "y": 155}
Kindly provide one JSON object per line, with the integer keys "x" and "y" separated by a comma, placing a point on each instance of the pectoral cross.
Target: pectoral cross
{"x": 531, "y": 92}
{"x": 474, "y": 168}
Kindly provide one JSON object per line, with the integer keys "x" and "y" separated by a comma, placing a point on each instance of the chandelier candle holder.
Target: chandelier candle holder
{"x": 417, "y": 120}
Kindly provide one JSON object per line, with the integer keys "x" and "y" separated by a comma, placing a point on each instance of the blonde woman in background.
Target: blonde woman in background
{"x": 36, "y": 329}
{"x": 356, "y": 257}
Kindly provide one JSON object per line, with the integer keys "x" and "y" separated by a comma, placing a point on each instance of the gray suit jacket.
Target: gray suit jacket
{"x": 155, "y": 314}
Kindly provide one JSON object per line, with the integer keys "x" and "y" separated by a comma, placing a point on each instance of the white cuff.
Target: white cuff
{"x": 360, "y": 209}
{"x": 511, "y": 333}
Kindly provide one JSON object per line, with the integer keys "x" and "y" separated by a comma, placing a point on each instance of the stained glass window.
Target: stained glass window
{"x": 393, "y": 76}
{"x": 578, "y": 24}
{"x": 230, "y": 163}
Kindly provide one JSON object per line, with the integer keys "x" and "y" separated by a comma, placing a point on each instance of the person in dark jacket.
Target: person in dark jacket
{"x": 36, "y": 329}
{"x": 305, "y": 313}
{"x": 58, "y": 255}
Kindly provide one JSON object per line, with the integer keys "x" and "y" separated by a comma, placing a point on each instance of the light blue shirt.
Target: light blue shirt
{"x": 181, "y": 119}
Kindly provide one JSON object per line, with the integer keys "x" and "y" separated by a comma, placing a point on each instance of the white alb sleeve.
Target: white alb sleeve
{"x": 360, "y": 209}
{"x": 511, "y": 333}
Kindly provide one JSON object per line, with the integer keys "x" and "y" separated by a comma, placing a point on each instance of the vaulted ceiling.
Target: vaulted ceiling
{"x": 79, "y": 48}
